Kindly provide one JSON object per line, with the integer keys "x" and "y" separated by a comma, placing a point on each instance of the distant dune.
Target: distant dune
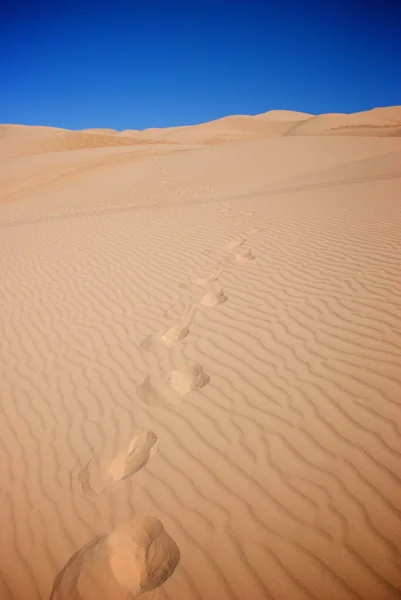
{"x": 17, "y": 142}
{"x": 18, "y": 132}
{"x": 226, "y": 129}
{"x": 20, "y": 140}
{"x": 284, "y": 115}
{"x": 377, "y": 122}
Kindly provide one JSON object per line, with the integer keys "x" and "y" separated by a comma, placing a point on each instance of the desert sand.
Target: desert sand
{"x": 201, "y": 331}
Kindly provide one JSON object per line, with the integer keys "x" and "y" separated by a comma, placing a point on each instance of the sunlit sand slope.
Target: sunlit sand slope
{"x": 211, "y": 338}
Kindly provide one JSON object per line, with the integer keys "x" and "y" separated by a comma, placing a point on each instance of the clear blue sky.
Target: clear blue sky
{"x": 144, "y": 63}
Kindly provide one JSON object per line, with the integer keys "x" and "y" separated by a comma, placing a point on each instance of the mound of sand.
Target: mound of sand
{"x": 284, "y": 115}
{"x": 226, "y": 129}
{"x": 9, "y": 133}
{"x": 377, "y": 122}
{"x": 17, "y": 142}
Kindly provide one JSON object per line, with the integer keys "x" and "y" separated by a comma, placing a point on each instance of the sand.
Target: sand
{"x": 377, "y": 122}
{"x": 204, "y": 330}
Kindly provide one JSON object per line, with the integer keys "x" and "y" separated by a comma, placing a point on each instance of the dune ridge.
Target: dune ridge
{"x": 249, "y": 291}
{"x": 384, "y": 121}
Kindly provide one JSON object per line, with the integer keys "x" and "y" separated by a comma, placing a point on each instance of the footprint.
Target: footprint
{"x": 168, "y": 337}
{"x": 169, "y": 389}
{"x": 245, "y": 255}
{"x": 235, "y": 243}
{"x": 139, "y": 451}
{"x": 172, "y": 335}
{"x": 254, "y": 230}
{"x": 214, "y": 298}
{"x": 155, "y": 392}
{"x": 188, "y": 378}
{"x": 203, "y": 281}
{"x": 139, "y": 556}
{"x": 95, "y": 477}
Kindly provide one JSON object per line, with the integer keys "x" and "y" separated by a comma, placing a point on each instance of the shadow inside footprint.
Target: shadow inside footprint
{"x": 83, "y": 475}
{"x": 84, "y": 479}
{"x": 65, "y": 584}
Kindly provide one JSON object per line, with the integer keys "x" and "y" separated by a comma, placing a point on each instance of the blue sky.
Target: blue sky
{"x": 137, "y": 64}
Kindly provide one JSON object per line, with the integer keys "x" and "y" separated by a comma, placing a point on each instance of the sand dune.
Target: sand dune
{"x": 226, "y": 129}
{"x": 10, "y": 132}
{"x": 392, "y": 113}
{"x": 376, "y": 122}
{"x": 27, "y": 142}
{"x": 20, "y": 140}
{"x": 208, "y": 336}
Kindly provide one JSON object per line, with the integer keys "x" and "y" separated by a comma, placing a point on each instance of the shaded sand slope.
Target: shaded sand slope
{"x": 279, "y": 475}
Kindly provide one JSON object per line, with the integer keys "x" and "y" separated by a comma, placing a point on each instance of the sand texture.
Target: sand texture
{"x": 203, "y": 330}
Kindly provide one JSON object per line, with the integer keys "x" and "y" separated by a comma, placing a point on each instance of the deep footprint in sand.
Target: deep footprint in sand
{"x": 214, "y": 298}
{"x": 139, "y": 556}
{"x": 94, "y": 479}
{"x": 167, "y": 337}
{"x": 203, "y": 281}
{"x": 170, "y": 336}
{"x": 170, "y": 389}
{"x": 139, "y": 451}
{"x": 245, "y": 255}
{"x": 234, "y": 243}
